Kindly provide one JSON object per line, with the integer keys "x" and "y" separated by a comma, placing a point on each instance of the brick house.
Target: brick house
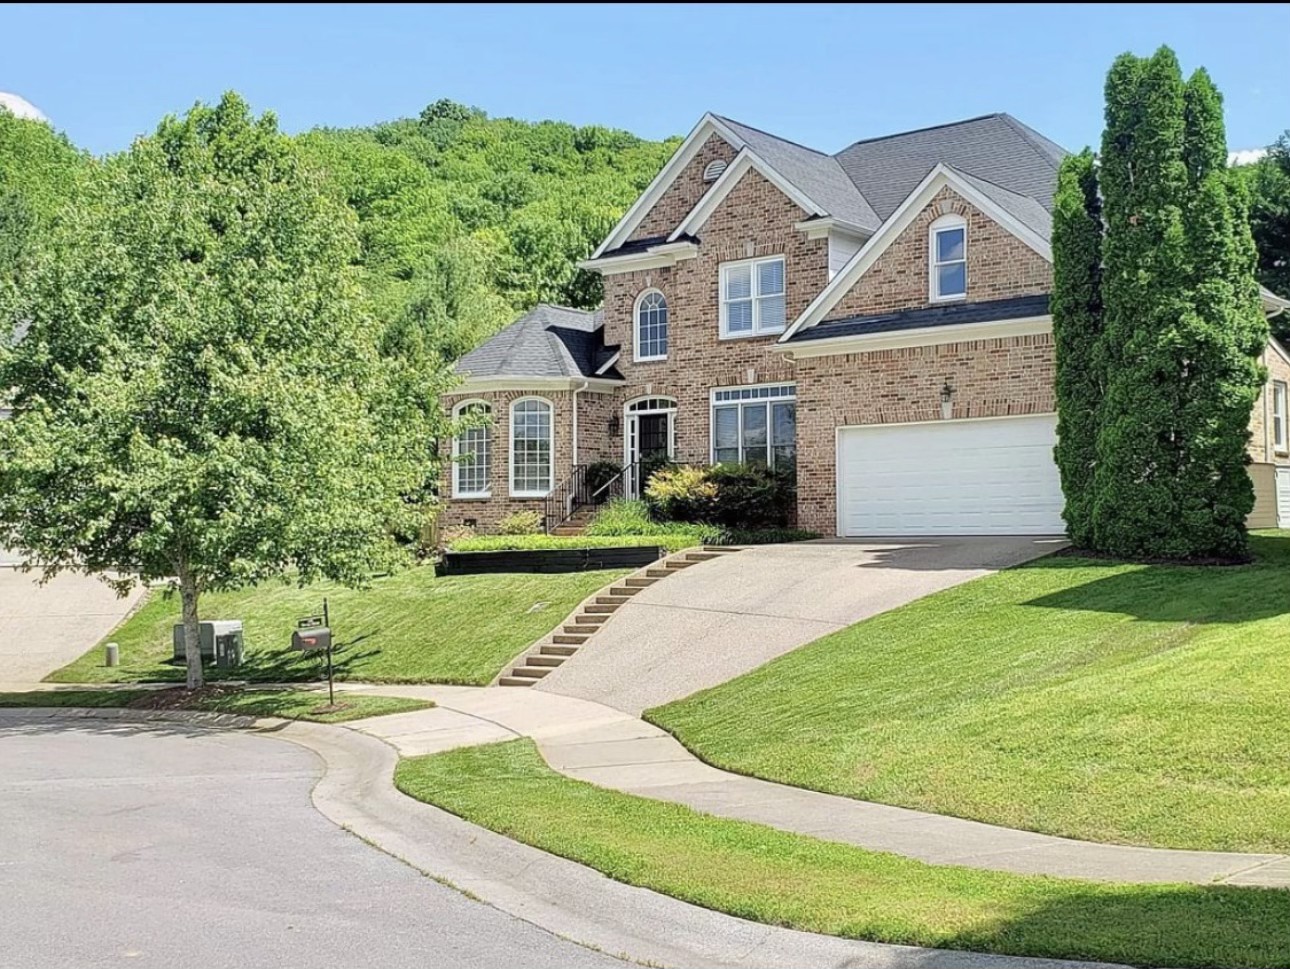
{"x": 878, "y": 317}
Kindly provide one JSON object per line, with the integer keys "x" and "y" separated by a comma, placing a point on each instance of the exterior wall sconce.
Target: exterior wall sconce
{"x": 615, "y": 426}
{"x": 947, "y": 401}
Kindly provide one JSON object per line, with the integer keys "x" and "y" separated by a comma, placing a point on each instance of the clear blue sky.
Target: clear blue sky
{"x": 823, "y": 75}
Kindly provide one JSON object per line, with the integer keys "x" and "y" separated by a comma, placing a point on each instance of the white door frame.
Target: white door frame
{"x": 631, "y": 434}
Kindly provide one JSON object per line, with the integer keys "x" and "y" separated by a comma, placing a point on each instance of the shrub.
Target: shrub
{"x": 624, "y": 517}
{"x": 683, "y": 493}
{"x": 672, "y": 541}
{"x": 599, "y": 474}
{"x": 520, "y": 523}
{"x": 766, "y": 536}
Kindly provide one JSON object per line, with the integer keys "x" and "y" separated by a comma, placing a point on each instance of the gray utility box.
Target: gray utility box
{"x": 219, "y": 639}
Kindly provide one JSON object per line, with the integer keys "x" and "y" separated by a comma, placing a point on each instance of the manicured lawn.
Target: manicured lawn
{"x": 407, "y": 628}
{"x": 756, "y": 872}
{"x": 288, "y": 704}
{"x": 1138, "y": 704}
{"x": 499, "y": 543}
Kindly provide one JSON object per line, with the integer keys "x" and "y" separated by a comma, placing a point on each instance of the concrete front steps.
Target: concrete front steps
{"x": 551, "y": 651}
{"x": 577, "y": 523}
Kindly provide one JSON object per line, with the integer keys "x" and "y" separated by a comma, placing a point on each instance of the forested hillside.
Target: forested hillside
{"x": 466, "y": 220}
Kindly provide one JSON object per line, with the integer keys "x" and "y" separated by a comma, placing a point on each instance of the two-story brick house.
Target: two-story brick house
{"x": 879, "y": 317}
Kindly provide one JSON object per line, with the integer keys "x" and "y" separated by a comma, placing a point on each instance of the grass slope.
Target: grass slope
{"x": 288, "y": 704}
{"x": 756, "y": 872}
{"x": 1139, "y": 704}
{"x": 407, "y": 628}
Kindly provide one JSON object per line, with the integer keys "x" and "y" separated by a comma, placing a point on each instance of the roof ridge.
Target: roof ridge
{"x": 771, "y": 134}
{"x": 1027, "y": 135}
{"x": 1002, "y": 188}
{"x": 916, "y": 131}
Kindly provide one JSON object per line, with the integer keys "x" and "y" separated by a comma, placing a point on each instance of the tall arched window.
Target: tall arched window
{"x": 472, "y": 450}
{"x": 532, "y": 450}
{"x": 651, "y": 326}
{"x": 947, "y": 277}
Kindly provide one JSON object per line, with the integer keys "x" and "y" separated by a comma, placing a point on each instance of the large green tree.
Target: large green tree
{"x": 1181, "y": 325}
{"x": 1077, "y": 330}
{"x": 1268, "y": 181}
{"x": 200, "y": 396}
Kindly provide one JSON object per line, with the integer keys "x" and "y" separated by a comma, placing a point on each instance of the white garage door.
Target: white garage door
{"x": 986, "y": 477}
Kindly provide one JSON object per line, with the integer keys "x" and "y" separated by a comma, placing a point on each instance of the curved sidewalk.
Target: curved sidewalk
{"x": 603, "y": 746}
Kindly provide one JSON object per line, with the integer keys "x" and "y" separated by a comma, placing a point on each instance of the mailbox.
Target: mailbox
{"x": 311, "y": 639}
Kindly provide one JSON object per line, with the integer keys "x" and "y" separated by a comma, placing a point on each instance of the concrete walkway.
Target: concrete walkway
{"x": 45, "y": 627}
{"x": 603, "y": 746}
{"x": 723, "y": 618}
{"x": 564, "y": 898}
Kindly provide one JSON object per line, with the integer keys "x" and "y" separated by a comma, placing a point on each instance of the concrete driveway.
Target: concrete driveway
{"x": 159, "y": 845}
{"x": 722, "y": 618}
{"x": 43, "y": 627}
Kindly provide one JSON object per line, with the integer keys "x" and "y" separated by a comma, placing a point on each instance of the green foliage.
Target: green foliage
{"x": 622, "y": 517}
{"x": 765, "y": 536}
{"x": 1077, "y": 326}
{"x": 673, "y": 541}
{"x": 599, "y": 474}
{"x": 1181, "y": 326}
{"x": 1268, "y": 182}
{"x": 200, "y": 395}
{"x": 520, "y": 523}
{"x": 729, "y": 495}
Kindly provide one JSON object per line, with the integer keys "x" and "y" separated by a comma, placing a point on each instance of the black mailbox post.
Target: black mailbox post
{"x": 312, "y": 635}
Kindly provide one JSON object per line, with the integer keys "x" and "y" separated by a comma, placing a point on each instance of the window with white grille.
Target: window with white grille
{"x": 471, "y": 458}
{"x": 531, "y": 448}
{"x": 752, "y": 297}
{"x": 651, "y": 326}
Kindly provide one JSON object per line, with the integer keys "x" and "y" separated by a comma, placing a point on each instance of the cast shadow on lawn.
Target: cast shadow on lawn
{"x": 1197, "y": 594}
{"x": 287, "y": 665}
{"x": 1208, "y": 926}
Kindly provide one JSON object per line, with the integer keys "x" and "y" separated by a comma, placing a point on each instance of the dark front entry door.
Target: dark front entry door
{"x": 653, "y": 436}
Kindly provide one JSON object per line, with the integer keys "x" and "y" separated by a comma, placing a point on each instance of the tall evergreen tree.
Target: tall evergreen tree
{"x": 1077, "y": 328}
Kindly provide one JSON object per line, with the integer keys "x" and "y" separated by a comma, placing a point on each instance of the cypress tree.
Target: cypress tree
{"x": 1077, "y": 328}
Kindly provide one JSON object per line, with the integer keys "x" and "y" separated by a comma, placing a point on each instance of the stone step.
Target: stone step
{"x": 701, "y": 556}
{"x": 656, "y": 573}
{"x": 639, "y": 582}
{"x": 542, "y": 659}
{"x": 567, "y": 530}
{"x": 559, "y": 649}
{"x": 531, "y": 672}
{"x": 624, "y": 591}
{"x": 678, "y": 564}
{"x": 590, "y": 618}
{"x": 568, "y": 639}
{"x": 515, "y": 681}
{"x": 612, "y": 599}
{"x": 725, "y": 549}
{"x": 575, "y": 628}
{"x": 601, "y": 608}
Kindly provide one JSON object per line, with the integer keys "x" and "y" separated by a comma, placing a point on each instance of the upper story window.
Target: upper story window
{"x": 948, "y": 277}
{"x": 651, "y": 326}
{"x": 752, "y": 297}
{"x": 532, "y": 455}
{"x": 1279, "y": 416}
{"x": 471, "y": 450}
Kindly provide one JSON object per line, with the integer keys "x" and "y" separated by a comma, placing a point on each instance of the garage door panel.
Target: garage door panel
{"x": 951, "y": 477}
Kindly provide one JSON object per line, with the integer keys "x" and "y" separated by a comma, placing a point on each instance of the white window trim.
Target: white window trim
{"x": 1282, "y": 391}
{"x": 757, "y": 329}
{"x": 713, "y": 404}
{"x": 636, "y": 326}
{"x": 457, "y": 492}
{"x": 510, "y": 448}
{"x": 942, "y": 224}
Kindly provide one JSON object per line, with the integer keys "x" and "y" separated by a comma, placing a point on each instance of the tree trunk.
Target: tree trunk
{"x": 188, "y": 592}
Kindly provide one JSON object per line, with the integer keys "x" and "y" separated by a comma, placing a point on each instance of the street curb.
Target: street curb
{"x": 562, "y": 897}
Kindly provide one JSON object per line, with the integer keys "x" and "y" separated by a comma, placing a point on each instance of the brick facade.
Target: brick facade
{"x": 755, "y": 219}
{"x": 684, "y": 192}
{"x": 991, "y": 378}
{"x": 999, "y": 265}
{"x": 1261, "y": 446}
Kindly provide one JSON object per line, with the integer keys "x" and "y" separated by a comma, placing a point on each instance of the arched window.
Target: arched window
{"x": 472, "y": 450}
{"x": 651, "y": 326}
{"x": 947, "y": 244}
{"x": 532, "y": 450}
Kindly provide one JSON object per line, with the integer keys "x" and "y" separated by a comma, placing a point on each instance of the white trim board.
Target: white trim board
{"x": 908, "y": 210}
{"x": 923, "y": 336}
{"x": 661, "y": 256}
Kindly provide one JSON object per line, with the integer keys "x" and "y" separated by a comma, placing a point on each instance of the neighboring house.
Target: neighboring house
{"x": 877, "y": 317}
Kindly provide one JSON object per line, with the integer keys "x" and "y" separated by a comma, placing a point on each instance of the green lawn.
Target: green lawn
{"x": 756, "y": 872}
{"x": 501, "y": 543}
{"x": 1139, "y": 704}
{"x": 288, "y": 704}
{"x": 408, "y": 628}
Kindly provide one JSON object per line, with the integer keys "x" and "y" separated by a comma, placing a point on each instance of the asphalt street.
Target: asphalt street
{"x": 163, "y": 845}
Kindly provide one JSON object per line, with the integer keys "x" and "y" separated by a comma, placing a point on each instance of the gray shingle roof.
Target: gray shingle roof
{"x": 817, "y": 175}
{"x": 996, "y": 148}
{"x": 547, "y": 341}
{"x": 1014, "y": 308}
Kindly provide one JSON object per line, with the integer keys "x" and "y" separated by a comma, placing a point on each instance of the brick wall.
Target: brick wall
{"x": 594, "y": 412}
{"x": 999, "y": 265}
{"x": 488, "y": 511}
{"x": 991, "y": 378}
{"x": 684, "y": 192}
{"x": 1260, "y": 447}
{"x": 755, "y": 219}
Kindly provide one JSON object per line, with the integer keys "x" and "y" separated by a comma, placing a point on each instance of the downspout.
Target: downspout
{"x": 574, "y": 398}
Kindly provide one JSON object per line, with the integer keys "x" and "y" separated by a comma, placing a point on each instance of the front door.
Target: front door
{"x": 649, "y": 439}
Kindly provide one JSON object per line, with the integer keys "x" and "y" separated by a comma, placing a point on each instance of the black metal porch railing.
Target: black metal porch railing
{"x": 575, "y": 492}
